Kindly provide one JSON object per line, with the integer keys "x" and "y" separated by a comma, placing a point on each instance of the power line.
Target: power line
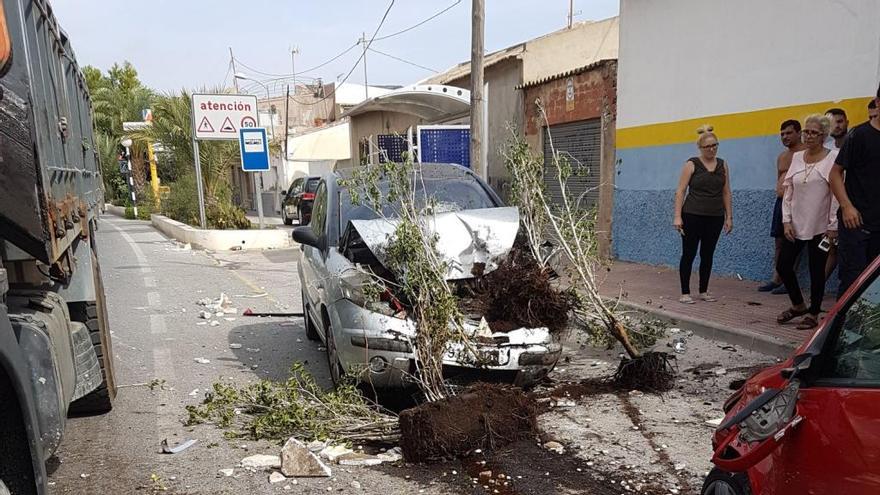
{"x": 438, "y": 14}
{"x": 405, "y": 61}
{"x": 358, "y": 62}
{"x": 298, "y": 73}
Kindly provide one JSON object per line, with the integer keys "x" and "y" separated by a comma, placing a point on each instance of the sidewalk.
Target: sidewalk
{"x": 741, "y": 316}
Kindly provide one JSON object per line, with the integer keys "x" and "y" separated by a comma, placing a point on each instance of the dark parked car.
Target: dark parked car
{"x": 298, "y": 200}
{"x": 812, "y": 423}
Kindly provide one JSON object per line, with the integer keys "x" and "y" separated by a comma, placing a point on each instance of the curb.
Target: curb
{"x": 223, "y": 240}
{"x": 119, "y": 211}
{"x": 716, "y": 331}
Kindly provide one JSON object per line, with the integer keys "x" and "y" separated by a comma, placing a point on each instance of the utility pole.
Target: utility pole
{"x": 570, "y": 13}
{"x": 286, "y": 130}
{"x": 294, "y": 51}
{"x": 476, "y": 151}
{"x": 366, "y": 85}
{"x": 232, "y": 61}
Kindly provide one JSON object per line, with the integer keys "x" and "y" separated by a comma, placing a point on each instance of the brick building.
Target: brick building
{"x": 579, "y": 119}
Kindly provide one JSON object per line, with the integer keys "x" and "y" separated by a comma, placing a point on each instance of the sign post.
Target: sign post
{"x": 254, "y": 157}
{"x": 220, "y": 117}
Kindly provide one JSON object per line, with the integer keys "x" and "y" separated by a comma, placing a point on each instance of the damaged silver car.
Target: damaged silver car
{"x": 371, "y": 337}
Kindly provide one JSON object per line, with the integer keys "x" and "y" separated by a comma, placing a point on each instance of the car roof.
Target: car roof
{"x": 428, "y": 171}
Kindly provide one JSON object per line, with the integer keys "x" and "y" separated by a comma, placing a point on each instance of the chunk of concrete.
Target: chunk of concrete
{"x": 276, "y": 477}
{"x": 333, "y": 452}
{"x": 298, "y": 461}
{"x": 261, "y": 461}
{"x": 359, "y": 459}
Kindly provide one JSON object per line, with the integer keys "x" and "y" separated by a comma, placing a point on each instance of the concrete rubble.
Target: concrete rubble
{"x": 298, "y": 461}
{"x": 261, "y": 462}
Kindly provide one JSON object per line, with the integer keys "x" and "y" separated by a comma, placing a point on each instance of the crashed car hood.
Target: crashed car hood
{"x": 464, "y": 238}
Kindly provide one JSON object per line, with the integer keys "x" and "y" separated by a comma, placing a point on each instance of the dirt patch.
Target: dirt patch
{"x": 519, "y": 293}
{"x": 483, "y": 417}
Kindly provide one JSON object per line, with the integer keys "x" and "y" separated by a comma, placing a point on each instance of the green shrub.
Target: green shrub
{"x": 129, "y": 212}
{"x": 182, "y": 204}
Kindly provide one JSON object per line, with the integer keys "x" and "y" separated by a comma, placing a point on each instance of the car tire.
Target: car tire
{"x": 337, "y": 373}
{"x": 723, "y": 483}
{"x": 311, "y": 331}
{"x": 287, "y": 220}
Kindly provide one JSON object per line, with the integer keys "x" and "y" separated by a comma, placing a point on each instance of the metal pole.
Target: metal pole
{"x": 131, "y": 187}
{"x": 258, "y": 177}
{"x": 232, "y": 60}
{"x": 199, "y": 187}
{"x": 476, "y": 151}
{"x": 570, "y": 13}
{"x": 366, "y": 84}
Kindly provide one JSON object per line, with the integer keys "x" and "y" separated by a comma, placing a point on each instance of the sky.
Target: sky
{"x": 177, "y": 44}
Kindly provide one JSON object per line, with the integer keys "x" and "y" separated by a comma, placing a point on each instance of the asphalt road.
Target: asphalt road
{"x": 152, "y": 287}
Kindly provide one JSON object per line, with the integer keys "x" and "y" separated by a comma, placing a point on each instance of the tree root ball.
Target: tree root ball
{"x": 651, "y": 372}
{"x": 483, "y": 417}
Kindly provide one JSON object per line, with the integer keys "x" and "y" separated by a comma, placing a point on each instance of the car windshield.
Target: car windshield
{"x": 450, "y": 194}
{"x": 312, "y": 185}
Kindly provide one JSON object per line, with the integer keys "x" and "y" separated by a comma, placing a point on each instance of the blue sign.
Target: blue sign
{"x": 254, "y": 149}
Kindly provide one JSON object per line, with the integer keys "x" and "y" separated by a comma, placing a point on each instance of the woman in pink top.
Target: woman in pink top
{"x": 809, "y": 213}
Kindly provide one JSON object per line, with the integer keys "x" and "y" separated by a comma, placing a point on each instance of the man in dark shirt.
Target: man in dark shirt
{"x": 858, "y": 193}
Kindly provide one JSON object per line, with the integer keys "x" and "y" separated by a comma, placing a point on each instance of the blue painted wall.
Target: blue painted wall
{"x": 645, "y": 193}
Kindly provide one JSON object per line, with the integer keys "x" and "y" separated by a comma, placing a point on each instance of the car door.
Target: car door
{"x": 314, "y": 258}
{"x": 835, "y": 448}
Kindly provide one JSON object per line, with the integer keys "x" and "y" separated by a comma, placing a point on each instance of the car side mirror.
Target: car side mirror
{"x": 800, "y": 363}
{"x": 306, "y": 237}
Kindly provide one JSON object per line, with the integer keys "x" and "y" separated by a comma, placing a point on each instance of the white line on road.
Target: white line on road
{"x": 153, "y": 299}
{"x": 157, "y": 325}
{"x": 150, "y": 282}
{"x": 138, "y": 252}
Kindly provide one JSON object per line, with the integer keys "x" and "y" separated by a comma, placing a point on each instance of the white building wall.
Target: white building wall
{"x": 683, "y": 59}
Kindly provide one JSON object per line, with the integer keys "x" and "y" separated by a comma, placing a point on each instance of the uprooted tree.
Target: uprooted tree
{"x": 395, "y": 191}
{"x": 570, "y": 225}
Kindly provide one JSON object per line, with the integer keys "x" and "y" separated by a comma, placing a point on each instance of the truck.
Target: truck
{"x": 55, "y": 351}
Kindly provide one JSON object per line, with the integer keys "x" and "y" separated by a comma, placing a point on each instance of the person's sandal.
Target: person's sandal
{"x": 707, "y": 297}
{"x": 808, "y": 323}
{"x": 790, "y": 314}
{"x": 686, "y": 299}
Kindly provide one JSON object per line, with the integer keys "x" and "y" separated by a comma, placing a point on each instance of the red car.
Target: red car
{"x": 810, "y": 425}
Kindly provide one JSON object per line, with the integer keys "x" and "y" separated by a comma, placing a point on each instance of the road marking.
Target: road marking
{"x": 150, "y": 282}
{"x": 153, "y": 299}
{"x": 138, "y": 252}
{"x": 157, "y": 325}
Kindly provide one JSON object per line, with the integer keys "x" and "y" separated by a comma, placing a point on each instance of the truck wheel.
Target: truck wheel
{"x": 93, "y": 314}
{"x": 16, "y": 471}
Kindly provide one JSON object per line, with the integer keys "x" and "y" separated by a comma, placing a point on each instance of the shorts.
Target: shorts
{"x": 776, "y": 229}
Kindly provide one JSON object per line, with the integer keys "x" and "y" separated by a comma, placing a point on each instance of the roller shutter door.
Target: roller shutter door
{"x": 581, "y": 144}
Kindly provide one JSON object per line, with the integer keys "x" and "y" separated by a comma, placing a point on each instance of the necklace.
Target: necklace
{"x": 808, "y": 168}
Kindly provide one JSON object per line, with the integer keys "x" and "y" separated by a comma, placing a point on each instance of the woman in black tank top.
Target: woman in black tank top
{"x": 702, "y": 212}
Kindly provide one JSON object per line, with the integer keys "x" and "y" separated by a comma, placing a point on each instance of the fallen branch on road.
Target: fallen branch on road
{"x": 297, "y": 408}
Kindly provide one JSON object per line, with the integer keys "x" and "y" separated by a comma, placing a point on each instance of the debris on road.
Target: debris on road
{"x": 225, "y": 472}
{"x": 205, "y": 315}
{"x": 483, "y": 416}
{"x": 334, "y": 452}
{"x": 202, "y": 360}
{"x": 235, "y": 346}
{"x": 555, "y": 447}
{"x": 261, "y": 462}
{"x": 167, "y": 449}
{"x": 215, "y": 323}
{"x": 250, "y": 312}
{"x": 277, "y": 477}
{"x": 298, "y": 461}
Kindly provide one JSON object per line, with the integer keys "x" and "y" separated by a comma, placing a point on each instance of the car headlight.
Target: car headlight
{"x": 370, "y": 294}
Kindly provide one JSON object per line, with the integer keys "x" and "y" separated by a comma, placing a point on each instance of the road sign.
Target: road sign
{"x": 221, "y": 116}
{"x": 254, "y": 149}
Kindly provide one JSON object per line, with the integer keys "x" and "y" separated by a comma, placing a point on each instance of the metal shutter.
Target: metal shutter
{"x": 580, "y": 143}
{"x": 393, "y": 147}
{"x": 445, "y": 144}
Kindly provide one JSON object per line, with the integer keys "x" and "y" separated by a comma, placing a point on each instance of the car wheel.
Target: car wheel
{"x": 723, "y": 483}
{"x": 311, "y": 331}
{"x": 287, "y": 220}
{"x": 336, "y": 371}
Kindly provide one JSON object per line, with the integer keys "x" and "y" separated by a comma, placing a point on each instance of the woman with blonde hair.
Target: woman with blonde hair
{"x": 809, "y": 218}
{"x": 703, "y": 206}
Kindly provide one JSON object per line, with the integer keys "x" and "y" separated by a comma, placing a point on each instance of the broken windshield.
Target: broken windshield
{"x": 448, "y": 194}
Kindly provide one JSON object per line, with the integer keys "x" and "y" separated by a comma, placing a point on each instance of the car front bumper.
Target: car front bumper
{"x": 378, "y": 348}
